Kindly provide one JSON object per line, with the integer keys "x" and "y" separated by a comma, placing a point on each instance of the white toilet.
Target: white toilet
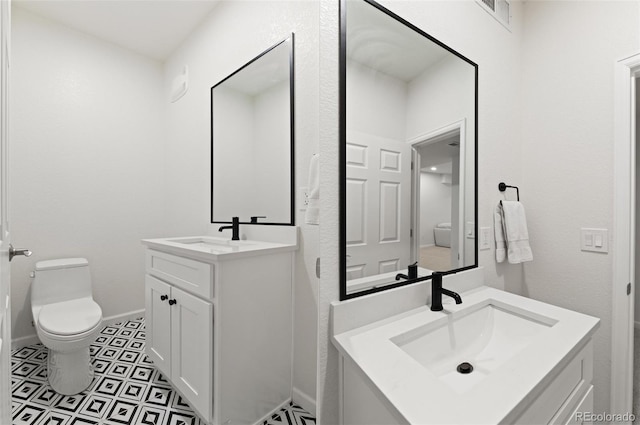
{"x": 67, "y": 320}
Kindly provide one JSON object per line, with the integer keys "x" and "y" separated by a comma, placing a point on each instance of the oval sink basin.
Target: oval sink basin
{"x": 218, "y": 244}
{"x": 485, "y": 335}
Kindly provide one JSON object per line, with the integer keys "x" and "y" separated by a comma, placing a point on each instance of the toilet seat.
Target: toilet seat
{"x": 70, "y": 317}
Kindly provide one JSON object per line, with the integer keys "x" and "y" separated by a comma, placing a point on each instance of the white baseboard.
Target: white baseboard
{"x": 25, "y": 341}
{"x": 122, "y": 317}
{"x": 304, "y": 400}
{"x": 268, "y": 416}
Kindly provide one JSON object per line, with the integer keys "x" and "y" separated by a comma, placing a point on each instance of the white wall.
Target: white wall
{"x": 255, "y": 128}
{"x": 569, "y": 52}
{"x": 637, "y": 218}
{"x": 86, "y": 163}
{"x": 271, "y": 156}
{"x": 233, "y": 34}
{"x": 466, "y": 27}
{"x": 441, "y": 96}
{"x": 235, "y": 111}
{"x": 377, "y": 102}
{"x": 435, "y": 205}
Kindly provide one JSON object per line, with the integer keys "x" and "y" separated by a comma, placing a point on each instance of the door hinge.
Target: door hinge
{"x": 629, "y": 288}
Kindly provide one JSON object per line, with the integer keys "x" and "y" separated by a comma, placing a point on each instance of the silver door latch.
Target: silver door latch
{"x": 20, "y": 251}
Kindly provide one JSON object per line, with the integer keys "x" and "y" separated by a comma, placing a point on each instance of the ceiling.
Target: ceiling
{"x": 267, "y": 70}
{"x": 439, "y": 154}
{"x": 384, "y": 44}
{"x": 154, "y": 28}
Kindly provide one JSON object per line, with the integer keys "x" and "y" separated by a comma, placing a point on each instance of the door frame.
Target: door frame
{"x": 5, "y": 238}
{"x": 426, "y": 139}
{"x": 626, "y": 71}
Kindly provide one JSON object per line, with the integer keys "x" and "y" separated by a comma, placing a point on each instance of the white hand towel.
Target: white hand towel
{"x": 498, "y": 230}
{"x": 312, "y": 214}
{"x": 514, "y": 223}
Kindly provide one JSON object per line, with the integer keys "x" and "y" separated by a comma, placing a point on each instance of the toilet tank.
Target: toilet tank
{"x": 60, "y": 280}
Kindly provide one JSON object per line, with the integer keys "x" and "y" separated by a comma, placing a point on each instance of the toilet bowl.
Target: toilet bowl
{"x": 67, "y": 321}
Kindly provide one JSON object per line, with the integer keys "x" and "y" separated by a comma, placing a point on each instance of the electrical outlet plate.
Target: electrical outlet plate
{"x": 303, "y": 198}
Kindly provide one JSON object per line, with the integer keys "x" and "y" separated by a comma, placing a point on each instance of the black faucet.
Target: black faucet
{"x": 437, "y": 290}
{"x": 254, "y": 219}
{"x": 235, "y": 229}
{"x": 413, "y": 272}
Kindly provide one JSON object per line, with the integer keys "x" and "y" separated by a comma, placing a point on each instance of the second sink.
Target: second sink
{"x": 218, "y": 244}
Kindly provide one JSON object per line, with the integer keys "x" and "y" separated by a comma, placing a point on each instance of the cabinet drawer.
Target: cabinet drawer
{"x": 192, "y": 276}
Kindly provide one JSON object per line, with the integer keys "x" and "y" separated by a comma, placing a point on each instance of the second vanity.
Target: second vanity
{"x": 218, "y": 323}
{"x": 532, "y": 363}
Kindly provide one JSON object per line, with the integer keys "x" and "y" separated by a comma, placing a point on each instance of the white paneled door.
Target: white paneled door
{"x": 378, "y": 205}
{"x": 5, "y": 304}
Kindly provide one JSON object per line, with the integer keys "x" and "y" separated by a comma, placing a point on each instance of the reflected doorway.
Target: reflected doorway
{"x": 438, "y": 194}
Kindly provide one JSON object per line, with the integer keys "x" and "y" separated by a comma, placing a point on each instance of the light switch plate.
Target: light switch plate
{"x": 594, "y": 240}
{"x": 485, "y": 238}
{"x": 470, "y": 230}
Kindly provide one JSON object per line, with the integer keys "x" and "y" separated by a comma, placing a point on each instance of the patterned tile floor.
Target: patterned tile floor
{"x": 127, "y": 388}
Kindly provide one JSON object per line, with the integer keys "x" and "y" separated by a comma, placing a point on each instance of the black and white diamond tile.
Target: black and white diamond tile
{"x": 127, "y": 389}
{"x": 291, "y": 415}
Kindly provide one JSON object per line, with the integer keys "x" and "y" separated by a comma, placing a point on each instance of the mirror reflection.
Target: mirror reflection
{"x": 252, "y": 141}
{"x": 409, "y": 140}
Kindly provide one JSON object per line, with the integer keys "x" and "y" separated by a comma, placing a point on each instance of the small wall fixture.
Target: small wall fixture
{"x": 180, "y": 85}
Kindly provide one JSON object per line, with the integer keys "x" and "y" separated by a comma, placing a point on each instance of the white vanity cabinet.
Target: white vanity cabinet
{"x": 219, "y": 326}
{"x": 566, "y": 400}
{"x": 568, "y": 396}
{"x": 532, "y": 362}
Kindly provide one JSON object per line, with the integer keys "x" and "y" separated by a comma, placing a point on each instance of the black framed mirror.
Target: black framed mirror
{"x": 252, "y": 141}
{"x": 408, "y": 152}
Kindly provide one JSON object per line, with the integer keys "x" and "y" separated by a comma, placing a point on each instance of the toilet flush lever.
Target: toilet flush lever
{"x": 20, "y": 251}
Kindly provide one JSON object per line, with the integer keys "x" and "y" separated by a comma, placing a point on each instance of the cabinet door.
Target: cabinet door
{"x": 158, "y": 324}
{"x": 578, "y": 417}
{"x": 192, "y": 349}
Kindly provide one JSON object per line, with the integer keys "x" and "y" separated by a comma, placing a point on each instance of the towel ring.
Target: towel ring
{"x": 502, "y": 187}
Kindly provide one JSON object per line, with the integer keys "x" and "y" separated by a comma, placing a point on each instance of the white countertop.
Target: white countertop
{"x": 216, "y": 249}
{"x": 421, "y": 398}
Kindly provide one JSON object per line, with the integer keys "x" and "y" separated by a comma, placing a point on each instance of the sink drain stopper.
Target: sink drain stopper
{"x": 465, "y": 368}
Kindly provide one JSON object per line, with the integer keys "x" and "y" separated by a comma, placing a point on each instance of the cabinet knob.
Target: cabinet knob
{"x": 163, "y": 297}
{"x": 172, "y": 302}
